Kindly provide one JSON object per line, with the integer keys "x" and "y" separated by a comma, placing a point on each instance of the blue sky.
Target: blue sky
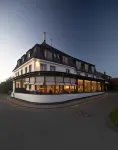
{"x": 86, "y": 29}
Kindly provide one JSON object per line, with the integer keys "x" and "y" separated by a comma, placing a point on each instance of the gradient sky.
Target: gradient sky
{"x": 86, "y": 29}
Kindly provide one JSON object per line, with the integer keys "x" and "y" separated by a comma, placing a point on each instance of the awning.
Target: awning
{"x": 32, "y": 83}
{"x": 26, "y": 82}
{"x": 90, "y": 75}
{"x": 59, "y": 83}
{"x": 82, "y": 74}
{"x": 101, "y": 78}
{"x": 50, "y": 83}
{"x": 39, "y": 83}
{"x": 74, "y": 84}
{"x": 67, "y": 84}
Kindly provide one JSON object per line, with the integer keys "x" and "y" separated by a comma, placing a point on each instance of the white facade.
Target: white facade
{"x": 36, "y": 66}
{"x": 22, "y": 67}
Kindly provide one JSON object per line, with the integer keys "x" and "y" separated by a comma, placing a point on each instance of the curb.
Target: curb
{"x": 53, "y": 106}
{"x": 111, "y": 125}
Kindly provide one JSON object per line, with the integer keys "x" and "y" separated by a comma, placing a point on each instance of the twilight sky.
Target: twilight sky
{"x": 86, "y": 29}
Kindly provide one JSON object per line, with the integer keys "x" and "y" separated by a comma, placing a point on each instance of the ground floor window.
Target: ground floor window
{"x": 40, "y": 88}
{"x": 80, "y": 86}
{"x": 50, "y": 89}
{"x": 87, "y": 86}
{"x": 31, "y": 87}
{"x": 17, "y": 85}
{"x": 99, "y": 87}
{"x": 66, "y": 88}
{"x": 94, "y": 86}
{"x": 72, "y": 89}
{"x": 102, "y": 86}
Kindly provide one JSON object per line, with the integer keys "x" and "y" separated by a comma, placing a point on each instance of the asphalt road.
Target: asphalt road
{"x": 82, "y": 126}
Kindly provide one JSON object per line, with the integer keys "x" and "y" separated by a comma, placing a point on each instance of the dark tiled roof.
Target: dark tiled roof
{"x": 37, "y": 52}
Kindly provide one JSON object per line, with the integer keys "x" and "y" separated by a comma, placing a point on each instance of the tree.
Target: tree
{"x": 6, "y": 86}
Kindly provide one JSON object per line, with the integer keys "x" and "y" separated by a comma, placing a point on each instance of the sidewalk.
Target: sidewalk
{"x": 71, "y": 103}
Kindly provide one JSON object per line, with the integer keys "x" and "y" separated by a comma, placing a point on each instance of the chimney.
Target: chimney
{"x": 45, "y": 37}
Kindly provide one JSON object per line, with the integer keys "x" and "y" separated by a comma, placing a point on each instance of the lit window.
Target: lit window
{"x": 68, "y": 70}
{"x": 43, "y": 67}
{"x": 52, "y": 68}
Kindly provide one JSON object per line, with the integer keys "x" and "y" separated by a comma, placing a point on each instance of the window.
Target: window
{"x": 18, "y": 73}
{"x": 92, "y": 69}
{"x": 86, "y": 67}
{"x": 55, "y": 56}
{"x": 23, "y": 59}
{"x": 21, "y": 72}
{"x": 48, "y": 55}
{"x": 29, "y": 55}
{"x": 82, "y": 67}
{"x": 25, "y": 69}
{"x": 65, "y": 60}
{"x": 99, "y": 86}
{"x": 43, "y": 67}
{"x": 80, "y": 85}
{"x": 30, "y": 68}
{"x": 68, "y": 70}
{"x": 94, "y": 86}
{"x": 78, "y": 65}
{"x": 87, "y": 86}
{"x": 18, "y": 62}
{"x": 52, "y": 68}
{"x": 58, "y": 56}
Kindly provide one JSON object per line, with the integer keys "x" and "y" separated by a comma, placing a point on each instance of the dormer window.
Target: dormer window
{"x": 65, "y": 60}
{"x": 29, "y": 55}
{"x": 18, "y": 62}
{"x": 86, "y": 67}
{"x": 78, "y": 65}
{"x": 93, "y": 69}
{"x": 58, "y": 56}
{"x": 48, "y": 55}
{"x": 23, "y": 59}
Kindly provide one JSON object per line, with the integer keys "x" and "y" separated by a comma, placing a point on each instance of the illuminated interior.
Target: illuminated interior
{"x": 50, "y": 89}
{"x": 87, "y": 86}
{"x": 99, "y": 87}
{"x": 80, "y": 85}
{"x": 94, "y": 86}
{"x": 66, "y": 88}
{"x": 72, "y": 88}
{"x": 102, "y": 86}
{"x": 41, "y": 88}
{"x": 57, "y": 89}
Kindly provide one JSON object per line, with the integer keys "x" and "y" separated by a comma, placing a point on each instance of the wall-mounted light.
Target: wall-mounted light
{"x": 37, "y": 64}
